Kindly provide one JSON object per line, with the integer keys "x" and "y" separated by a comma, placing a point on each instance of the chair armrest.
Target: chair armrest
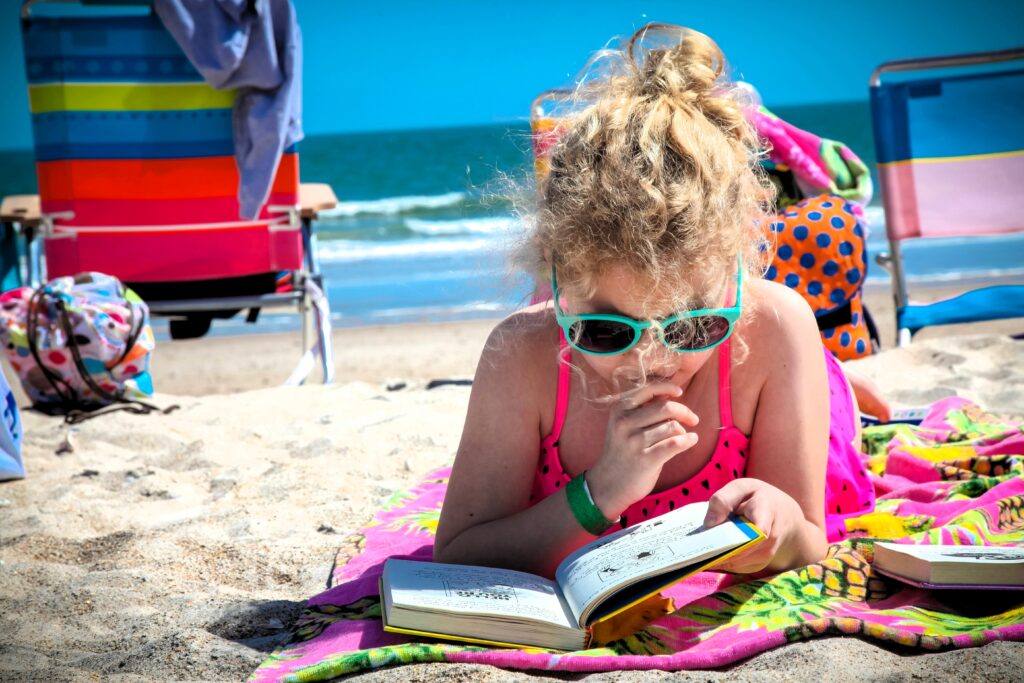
{"x": 21, "y": 208}
{"x": 314, "y": 198}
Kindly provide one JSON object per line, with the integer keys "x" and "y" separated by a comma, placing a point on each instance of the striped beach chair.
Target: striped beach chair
{"x": 137, "y": 178}
{"x": 950, "y": 149}
{"x": 546, "y": 112}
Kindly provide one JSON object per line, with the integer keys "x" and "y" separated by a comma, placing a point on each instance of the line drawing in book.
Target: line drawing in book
{"x": 629, "y": 533}
{"x": 497, "y": 592}
{"x": 609, "y": 572}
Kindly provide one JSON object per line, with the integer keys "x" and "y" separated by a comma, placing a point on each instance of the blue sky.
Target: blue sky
{"x": 395, "y": 65}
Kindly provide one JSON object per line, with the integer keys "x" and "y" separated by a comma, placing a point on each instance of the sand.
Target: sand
{"x": 182, "y": 546}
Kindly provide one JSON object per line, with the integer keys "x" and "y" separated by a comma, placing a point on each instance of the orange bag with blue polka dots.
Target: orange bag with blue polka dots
{"x": 820, "y": 252}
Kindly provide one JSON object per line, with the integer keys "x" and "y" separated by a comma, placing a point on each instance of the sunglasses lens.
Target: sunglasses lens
{"x": 696, "y": 333}
{"x": 602, "y": 336}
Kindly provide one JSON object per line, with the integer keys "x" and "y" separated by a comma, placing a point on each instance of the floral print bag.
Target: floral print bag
{"x": 79, "y": 344}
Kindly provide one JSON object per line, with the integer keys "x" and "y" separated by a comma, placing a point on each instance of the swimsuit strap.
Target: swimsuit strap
{"x": 724, "y": 395}
{"x": 562, "y": 394}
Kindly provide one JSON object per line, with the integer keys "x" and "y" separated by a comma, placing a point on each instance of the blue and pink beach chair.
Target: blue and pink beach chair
{"x": 950, "y": 144}
{"x": 137, "y": 179}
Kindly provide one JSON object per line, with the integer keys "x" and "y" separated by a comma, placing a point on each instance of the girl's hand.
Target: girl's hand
{"x": 771, "y": 510}
{"x": 646, "y": 428}
{"x": 869, "y": 396}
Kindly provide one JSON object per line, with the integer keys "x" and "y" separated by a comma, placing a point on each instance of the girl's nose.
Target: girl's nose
{"x": 648, "y": 346}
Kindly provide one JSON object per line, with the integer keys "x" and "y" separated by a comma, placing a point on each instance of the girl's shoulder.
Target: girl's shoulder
{"x": 779, "y": 322}
{"x": 523, "y": 349}
{"x": 771, "y": 301}
{"x": 526, "y": 331}
{"x": 778, "y": 335}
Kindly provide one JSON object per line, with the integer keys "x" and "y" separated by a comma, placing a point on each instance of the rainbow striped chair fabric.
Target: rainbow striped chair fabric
{"x": 137, "y": 176}
{"x": 950, "y": 149}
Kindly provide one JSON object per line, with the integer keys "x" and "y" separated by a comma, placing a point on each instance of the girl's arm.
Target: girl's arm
{"x": 784, "y": 492}
{"x": 486, "y": 519}
{"x": 869, "y": 396}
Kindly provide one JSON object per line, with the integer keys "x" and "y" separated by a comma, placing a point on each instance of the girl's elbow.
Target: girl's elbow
{"x": 817, "y": 542}
{"x": 443, "y": 550}
{"x": 452, "y": 548}
{"x": 439, "y": 553}
{"x": 448, "y": 554}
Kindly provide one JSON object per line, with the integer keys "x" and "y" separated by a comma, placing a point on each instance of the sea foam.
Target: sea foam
{"x": 490, "y": 225}
{"x": 394, "y": 205}
{"x": 341, "y": 251}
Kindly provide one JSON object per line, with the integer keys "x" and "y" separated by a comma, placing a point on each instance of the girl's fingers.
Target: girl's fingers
{"x": 672, "y": 446}
{"x": 728, "y": 500}
{"x": 635, "y": 398}
{"x": 760, "y": 512}
{"x": 658, "y": 410}
{"x": 869, "y": 397}
{"x": 662, "y": 431}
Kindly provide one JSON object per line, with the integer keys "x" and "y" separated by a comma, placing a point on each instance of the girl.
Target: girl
{"x": 665, "y": 371}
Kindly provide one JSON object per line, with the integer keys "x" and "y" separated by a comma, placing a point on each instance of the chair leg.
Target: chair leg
{"x": 189, "y": 327}
{"x": 10, "y": 272}
{"x": 306, "y": 312}
{"x": 325, "y": 340}
{"x": 902, "y": 337}
{"x": 33, "y": 259}
{"x": 899, "y": 290}
{"x": 316, "y": 319}
{"x": 321, "y": 308}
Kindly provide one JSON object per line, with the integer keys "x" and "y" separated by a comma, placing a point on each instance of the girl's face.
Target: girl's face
{"x": 620, "y": 291}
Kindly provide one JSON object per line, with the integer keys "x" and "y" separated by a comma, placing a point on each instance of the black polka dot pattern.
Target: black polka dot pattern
{"x": 848, "y": 484}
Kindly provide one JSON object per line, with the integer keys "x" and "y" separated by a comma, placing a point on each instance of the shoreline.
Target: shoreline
{"x": 413, "y": 352}
{"x": 391, "y": 353}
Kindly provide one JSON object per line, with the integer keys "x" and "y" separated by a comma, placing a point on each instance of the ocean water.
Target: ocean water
{"x": 425, "y": 221}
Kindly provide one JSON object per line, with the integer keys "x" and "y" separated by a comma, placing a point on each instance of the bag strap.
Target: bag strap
{"x": 37, "y": 302}
{"x": 130, "y": 404}
{"x": 74, "y": 417}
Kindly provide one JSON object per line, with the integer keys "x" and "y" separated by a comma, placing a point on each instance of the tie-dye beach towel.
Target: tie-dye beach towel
{"x": 818, "y": 165}
{"x": 956, "y": 478}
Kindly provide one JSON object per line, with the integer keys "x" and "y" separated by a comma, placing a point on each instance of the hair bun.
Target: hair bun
{"x": 675, "y": 61}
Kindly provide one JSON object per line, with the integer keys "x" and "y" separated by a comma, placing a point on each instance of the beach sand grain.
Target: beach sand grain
{"x": 183, "y": 546}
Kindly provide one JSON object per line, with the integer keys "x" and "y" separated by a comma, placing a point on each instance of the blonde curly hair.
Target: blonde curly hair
{"x": 657, "y": 170}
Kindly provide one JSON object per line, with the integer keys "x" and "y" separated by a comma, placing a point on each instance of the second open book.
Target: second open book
{"x": 598, "y": 581}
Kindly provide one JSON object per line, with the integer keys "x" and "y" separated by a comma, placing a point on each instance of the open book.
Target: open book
{"x": 599, "y": 580}
{"x": 952, "y": 566}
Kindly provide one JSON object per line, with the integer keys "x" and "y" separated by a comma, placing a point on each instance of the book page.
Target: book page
{"x": 652, "y": 547}
{"x": 460, "y": 589}
{"x": 967, "y": 554}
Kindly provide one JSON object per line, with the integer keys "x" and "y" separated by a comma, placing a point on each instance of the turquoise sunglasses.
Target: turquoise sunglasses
{"x": 602, "y": 334}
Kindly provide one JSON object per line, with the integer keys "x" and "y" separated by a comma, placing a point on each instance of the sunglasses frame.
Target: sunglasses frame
{"x": 567, "y": 320}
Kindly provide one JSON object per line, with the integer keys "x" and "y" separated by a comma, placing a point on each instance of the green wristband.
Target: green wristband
{"x": 583, "y": 508}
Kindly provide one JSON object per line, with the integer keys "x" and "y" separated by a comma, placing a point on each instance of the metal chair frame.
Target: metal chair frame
{"x": 892, "y": 260}
{"x": 23, "y": 211}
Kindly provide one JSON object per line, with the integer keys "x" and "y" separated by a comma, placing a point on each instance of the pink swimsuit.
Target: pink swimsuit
{"x": 847, "y": 489}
